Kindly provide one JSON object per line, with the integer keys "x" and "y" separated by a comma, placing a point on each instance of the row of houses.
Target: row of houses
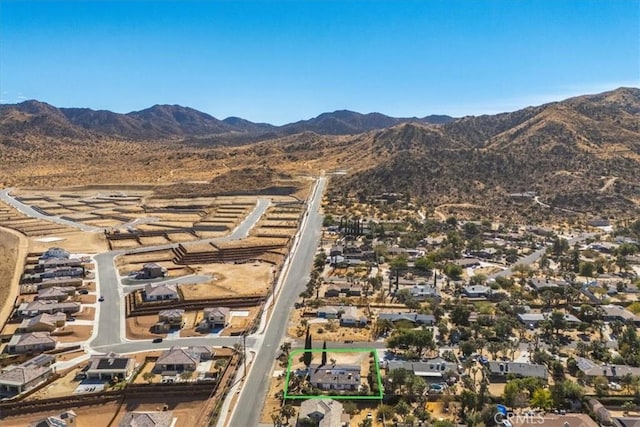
{"x": 213, "y": 318}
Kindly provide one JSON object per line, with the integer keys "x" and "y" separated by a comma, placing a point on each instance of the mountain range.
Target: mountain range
{"x": 177, "y": 122}
{"x": 580, "y": 155}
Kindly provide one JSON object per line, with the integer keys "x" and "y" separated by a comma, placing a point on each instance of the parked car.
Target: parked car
{"x": 83, "y": 291}
{"x": 71, "y": 319}
{"x": 157, "y": 340}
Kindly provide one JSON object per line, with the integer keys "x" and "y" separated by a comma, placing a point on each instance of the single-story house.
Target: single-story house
{"x": 34, "y": 308}
{"x": 467, "y": 262}
{"x": 336, "y": 377}
{"x": 215, "y": 317}
{"x": 65, "y": 419}
{"x": 333, "y": 291}
{"x": 432, "y": 371}
{"x": 535, "y": 318}
{"x": 476, "y": 291}
{"x": 31, "y": 341}
{"x": 591, "y": 369}
{"x": 415, "y": 318}
{"x": 540, "y": 284}
{"x": 59, "y": 262}
{"x": 109, "y": 366}
{"x": 350, "y": 317}
{"x": 501, "y": 370}
{"x": 323, "y": 412}
{"x": 60, "y": 281}
{"x": 160, "y": 292}
{"x": 147, "y": 419}
{"x": 616, "y": 312}
{"x": 56, "y": 293}
{"x": 424, "y": 292}
{"x": 55, "y": 252}
{"x": 329, "y": 312}
{"x": 42, "y": 323}
{"x": 177, "y": 359}
{"x": 18, "y": 379}
{"x": 48, "y": 273}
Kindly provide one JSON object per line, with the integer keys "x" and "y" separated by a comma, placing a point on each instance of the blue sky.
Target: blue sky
{"x": 282, "y": 61}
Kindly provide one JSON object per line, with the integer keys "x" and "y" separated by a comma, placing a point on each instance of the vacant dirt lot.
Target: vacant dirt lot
{"x": 230, "y": 280}
{"x": 73, "y": 333}
{"x": 186, "y": 410}
{"x": 13, "y": 249}
{"x": 138, "y": 327}
{"x": 322, "y": 329}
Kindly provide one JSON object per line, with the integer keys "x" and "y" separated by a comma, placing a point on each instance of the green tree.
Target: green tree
{"x": 307, "y": 356}
{"x": 287, "y": 412}
{"x": 542, "y": 399}
{"x": 424, "y": 264}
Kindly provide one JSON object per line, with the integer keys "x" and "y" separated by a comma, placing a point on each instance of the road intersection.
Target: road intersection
{"x": 109, "y": 332}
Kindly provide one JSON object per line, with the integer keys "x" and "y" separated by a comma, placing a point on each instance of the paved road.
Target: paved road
{"x": 256, "y": 385}
{"x": 110, "y": 313}
{"x": 29, "y": 211}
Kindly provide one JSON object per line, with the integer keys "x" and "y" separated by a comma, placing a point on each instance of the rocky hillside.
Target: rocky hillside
{"x": 580, "y": 155}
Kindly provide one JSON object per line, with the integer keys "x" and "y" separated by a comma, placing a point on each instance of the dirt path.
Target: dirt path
{"x": 13, "y": 250}
{"x": 608, "y": 184}
{"x": 443, "y": 217}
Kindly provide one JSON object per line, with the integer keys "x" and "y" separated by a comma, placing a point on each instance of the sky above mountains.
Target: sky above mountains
{"x": 282, "y": 61}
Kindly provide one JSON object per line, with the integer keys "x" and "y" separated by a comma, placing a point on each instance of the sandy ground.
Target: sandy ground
{"x": 78, "y": 333}
{"x": 138, "y": 327}
{"x": 186, "y": 411}
{"x": 13, "y": 250}
{"x": 62, "y": 387}
{"x": 331, "y": 330}
{"x": 74, "y": 242}
{"x": 230, "y": 280}
{"x": 271, "y": 404}
{"x": 87, "y": 313}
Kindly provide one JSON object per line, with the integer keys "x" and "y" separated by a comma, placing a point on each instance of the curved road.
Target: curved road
{"x": 29, "y": 211}
{"x": 109, "y": 333}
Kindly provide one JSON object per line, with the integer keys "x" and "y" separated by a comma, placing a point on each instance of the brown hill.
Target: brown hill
{"x": 564, "y": 151}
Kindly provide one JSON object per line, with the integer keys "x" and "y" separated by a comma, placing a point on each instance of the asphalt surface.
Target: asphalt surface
{"x": 110, "y": 312}
{"x": 254, "y": 390}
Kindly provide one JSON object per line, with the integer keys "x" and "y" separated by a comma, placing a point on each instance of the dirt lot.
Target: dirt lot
{"x": 74, "y": 242}
{"x": 87, "y": 313}
{"x": 13, "y": 249}
{"x": 230, "y": 280}
{"x": 61, "y": 387}
{"x": 138, "y": 327}
{"x": 78, "y": 333}
{"x": 331, "y": 329}
{"x": 186, "y": 410}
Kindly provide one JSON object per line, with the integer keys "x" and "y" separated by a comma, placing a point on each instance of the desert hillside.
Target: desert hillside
{"x": 581, "y": 154}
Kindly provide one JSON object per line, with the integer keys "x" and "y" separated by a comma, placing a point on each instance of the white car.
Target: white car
{"x": 615, "y": 386}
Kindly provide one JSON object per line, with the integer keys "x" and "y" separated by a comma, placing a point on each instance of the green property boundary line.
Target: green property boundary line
{"x": 327, "y": 396}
